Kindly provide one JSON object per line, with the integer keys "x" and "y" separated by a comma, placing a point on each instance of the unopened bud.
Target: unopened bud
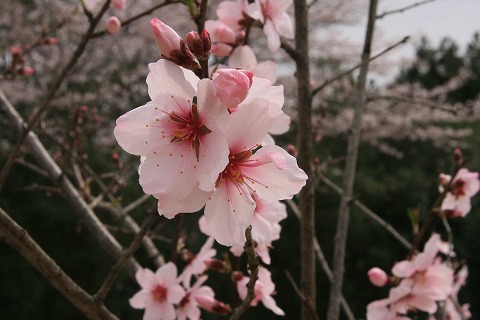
{"x": 118, "y": 4}
{"x": 15, "y": 50}
{"x": 171, "y": 46}
{"x": 51, "y": 41}
{"x": 212, "y": 305}
{"x": 292, "y": 149}
{"x": 113, "y": 25}
{"x": 27, "y": 71}
{"x": 457, "y": 156}
{"x": 216, "y": 264}
{"x": 199, "y": 44}
{"x": 237, "y": 276}
{"x": 377, "y": 277}
{"x": 232, "y": 86}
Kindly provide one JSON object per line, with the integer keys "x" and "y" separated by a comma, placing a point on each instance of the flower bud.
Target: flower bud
{"x": 51, "y": 41}
{"x": 457, "y": 156}
{"x": 171, "y": 46}
{"x": 232, "y": 86}
{"x": 199, "y": 45}
{"x": 118, "y": 4}
{"x": 221, "y": 49}
{"x": 377, "y": 277}
{"x": 15, "y": 50}
{"x": 27, "y": 71}
{"x": 217, "y": 265}
{"x": 212, "y": 305}
{"x": 113, "y": 25}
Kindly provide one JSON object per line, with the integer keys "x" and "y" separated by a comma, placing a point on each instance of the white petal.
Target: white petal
{"x": 269, "y": 303}
{"x": 166, "y": 77}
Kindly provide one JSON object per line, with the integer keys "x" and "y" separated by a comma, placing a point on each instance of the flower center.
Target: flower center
{"x": 159, "y": 293}
{"x": 458, "y": 188}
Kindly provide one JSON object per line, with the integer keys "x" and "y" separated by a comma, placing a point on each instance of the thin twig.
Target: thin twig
{"x": 289, "y": 49}
{"x": 135, "y": 204}
{"x": 412, "y": 101}
{"x": 138, "y": 16}
{"x": 401, "y": 10}
{"x": 56, "y": 175}
{"x": 253, "y": 267}
{"x": 20, "y": 240}
{"x": 299, "y": 293}
{"x": 349, "y": 173}
{"x": 34, "y": 119}
{"x": 368, "y": 212}
{"x": 323, "y": 261}
{"x": 361, "y": 64}
{"x": 117, "y": 268}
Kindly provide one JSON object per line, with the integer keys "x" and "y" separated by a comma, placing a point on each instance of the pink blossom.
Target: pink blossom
{"x": 264, "y": 289}
{"x": 113, "y": 25}
{"x": 197, "y": 265}
{"x": 15, "y": 50}
{"x": 243, "y": 57}
{"x": 275, "y": 20}
{"x": 188, "y": 307}
{"x": 221, "y": 49}
{"x": 212, "y": 305}
{"x": 27, "y": 71}
{"x": 232, "y": 14}
{"x": 118, "y": 4}
{"x": 224, "y": 39}
{"x": 172, "y": 46}
{"x": 160, "y": 291}
{"x": 182, "y": 140}
{"x": 377, "y": 277}
{"x": 271, "y": 173}
{"x": 465, "y": 185}
{"x": 232, "y": 86}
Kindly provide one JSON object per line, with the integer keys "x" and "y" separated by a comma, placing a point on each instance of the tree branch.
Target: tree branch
{"x": 20, "y": 240}
{"x": 349, "y": 173}
{"x": 94, "y": 225}
{"x": 401, "y": 10}
{"x": 253, "y": 266}
{"x": 299, "y": 293}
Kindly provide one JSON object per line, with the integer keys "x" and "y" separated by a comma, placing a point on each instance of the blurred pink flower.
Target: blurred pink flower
{"x": 197, "y": 264}
{"x": 275, "y": 20}
{"x": 264, "y": 289}
{"x": 232, "y": 86}
{"x": 465, "y": 185}
{"x": 160, "y": 291}
{"x": 188, "y": 307}
{"x": 113, "y": 25}
{"x": 118, "y": 4}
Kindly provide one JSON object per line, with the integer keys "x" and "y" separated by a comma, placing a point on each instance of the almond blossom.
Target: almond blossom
{"x": 465, "y": 185}
{"x": 188, "y": 308}
{"x": 269, "y": 172}
{"x": 180, "y": 134}
{"x": 275, "y": 20}
{"x": 197, "y": 265}
{"x": 243, "y": 57}
{"x": 264, "y": 289}
{"x": 160, "y": 291}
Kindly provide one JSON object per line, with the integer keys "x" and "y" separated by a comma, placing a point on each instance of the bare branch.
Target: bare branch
{"x": 120, "y": 264}
{"x": 401, "y": 10}
{"x": 94, "y": 225}
{"x": 413, "y": 101}
{"x": 299, "y": 293}
{"x": 349, "y": 173}
{"x": 349, "y": 71}
{"x": 369, "y": 213}
{"x": 253, "y": 267}
{"x": 34, "y": 119}
{"x": 323, "y": 261}
{"x": 20, "y": 240}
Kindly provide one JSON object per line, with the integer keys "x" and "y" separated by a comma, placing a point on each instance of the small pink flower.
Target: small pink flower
{"x": 275, "y": 20}
{"x": 171, "y": 45}
{"x": 377, "y": 277}
{"x": 27, "y": 71}
{"x": 232, "y": 86}
{"x": 113, "y": 25}
{"x": 465, "y": 185}
{"x": 197, "y": 265}
{"x": 118, "y": 4}
{"x": 160, "y": 291}
{"x": 264, "y": 289}
{"x": 15, "y": 50}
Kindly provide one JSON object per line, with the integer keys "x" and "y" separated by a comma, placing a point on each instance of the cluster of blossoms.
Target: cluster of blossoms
{"x": 464, "y": 186}
{"x": 164, "y": 295}
{"x": 204, "y": 141}
{"x": 236, "y": 17}
{"x": 421, "y": 284}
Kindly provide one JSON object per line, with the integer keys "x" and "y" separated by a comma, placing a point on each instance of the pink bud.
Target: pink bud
{"x": 377, "y": 277}
{"x": 232, "y": 86}
{"x": 15, "y": 50}
{"x": 51, "y": 41}
{"x": 212, "y": 305}
{"x": 221, "y": 49}
{"x": 166, "y": 38}
{"x": 113, "y": 25}
{"x": 171, "y": 46}
{"x": 27, "y": 71}
{"x": 457, "y": 155}
{"x": 118, "y": 4}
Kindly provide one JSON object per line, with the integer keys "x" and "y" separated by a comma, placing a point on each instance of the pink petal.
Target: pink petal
{"x": 167, "y": 274}
{"x": 146, "y": 278}
{"x": 213, "y": 159}
{"x": 267, "y": 140}
{"x": 281, "y": 124}
{"x": 283, "y": 25}
{"x": 267, "y": 70}
{"x": 424, "y": 303}
{"x": 166, "y": 77}
{"x": 403, "y": 269}
{"x": 175, "y": 294}
{"x": 132, "y": 129}
{"x": 193, "y": 202}
{"x": 152, "y": 312}
{"x": 263, "y": 89}
{"x": 273, "y": 38}
{"x": 141, "y": 299}
{"x": 228, "y": 213}
{"x": 269, "y": 303}
{"x": 243, "y": 57}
